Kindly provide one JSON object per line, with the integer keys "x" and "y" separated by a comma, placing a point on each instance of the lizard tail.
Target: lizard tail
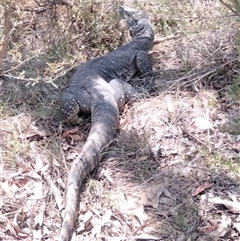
{"x": 105, "y": 115}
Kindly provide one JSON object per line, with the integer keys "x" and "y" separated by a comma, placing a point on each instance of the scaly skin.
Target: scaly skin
{"x": 100, "y": 87}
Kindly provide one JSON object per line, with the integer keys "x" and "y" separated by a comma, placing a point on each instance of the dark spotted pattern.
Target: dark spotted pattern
{"x": 100, "y": 87}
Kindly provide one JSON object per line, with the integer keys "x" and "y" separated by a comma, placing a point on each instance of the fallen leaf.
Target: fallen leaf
{"x": 39, "y": 218}
{"x": 230, "y": 205}
{"x": 86, "y": 222}
{"x": 106, "y": 217}
{"x": 222, "y": 228}
{"x": 169, "y": 103}
{"x": 237, "y": 226}
{"x": 207, "y": 229}
{"x": 201, "y": 188}
{"x": 96, "y": 231}
{"x": 23, "y": 164}
{"x": 69, "y": 132}
{"x": 142, "y": 158}
{"x": 76, "y": 137}
{"x": 181, "y": 237}
{"x": 203, "y": 123}
{"x": 34, "y": 130}
{"x": 153, "y": 195}
{"x": 116, "y": 226}
{"x": 166, "y": 201}
{"x": 236, "y": 146}
{"x": 16, "y": 231}
{"x": 140, "y": 214}
{"x": 20, "y": 180}
{"x": 14, "y": 228}
{"x": 9, "y": 189}
{"x": 106, "y": 174}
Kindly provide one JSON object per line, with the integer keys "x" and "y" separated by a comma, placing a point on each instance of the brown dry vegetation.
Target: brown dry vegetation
{"x": 171, "y": 173}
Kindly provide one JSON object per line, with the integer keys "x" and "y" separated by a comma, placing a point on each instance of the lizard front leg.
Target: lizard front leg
{"x": 144, "y": 67}
{"x": 75, "y": 101}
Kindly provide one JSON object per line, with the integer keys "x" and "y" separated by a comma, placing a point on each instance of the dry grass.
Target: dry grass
{"x": 171, "y": 173}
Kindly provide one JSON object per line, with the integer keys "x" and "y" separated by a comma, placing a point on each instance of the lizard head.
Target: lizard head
{"x": 137, "y": 21}
{"x": 131, "y": 15}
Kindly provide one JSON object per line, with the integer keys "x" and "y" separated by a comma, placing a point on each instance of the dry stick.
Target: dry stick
{"x": 174, "y": 36}
{"x": 187, "y": 76}
{"x": 197, "y": 139}
{"x": 44, "y": 7}
{"x": 47, "y": 178}
{"x": 229, "y": 7}
{"x": 56, "y": 192}
{"x": 26, "y": 60}
{"x": 195, "y": 79}
{"x": 19, "y": 78}
{"x": 6, "y": 31}
{"x": 207, "y": 73}
{"x": 38, "y": 78}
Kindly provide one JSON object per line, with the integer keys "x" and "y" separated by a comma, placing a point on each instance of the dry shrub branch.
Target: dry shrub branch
{"x": 6, "y": 33}
{"x": 49, "y": 38}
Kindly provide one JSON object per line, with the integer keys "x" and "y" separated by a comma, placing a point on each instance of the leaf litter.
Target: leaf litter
{"x": 171, "y": 173}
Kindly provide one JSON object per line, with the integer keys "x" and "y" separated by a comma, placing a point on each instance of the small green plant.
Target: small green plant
{"x": 3, "y": 108}
{"x": 218, "y": 161}
{"x": 180, "y": 219}
{"x": 94, "y": 187}
{"x": 232, "y": 127}
{"x": 234, "y": 88}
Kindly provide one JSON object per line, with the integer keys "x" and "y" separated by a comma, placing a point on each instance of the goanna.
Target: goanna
{"x": 100, "y": 87}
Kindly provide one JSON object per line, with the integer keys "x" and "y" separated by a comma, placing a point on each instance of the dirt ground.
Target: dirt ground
{"x": 171, "y": 172}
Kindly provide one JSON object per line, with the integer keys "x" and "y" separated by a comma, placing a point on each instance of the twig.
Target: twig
{"x": 6, "y": 31}
{"x": 229, "y": 7}
{"x": 193, "y": 76}
{"x": 177, "y": 35}
{"x": 43, "y": 8}
{"x": 36, "y": 10}
{"x": 26, "y": 60}
{"x": 19, "y": 78}
{"x": 37, "y": 79}
{"x": 196, "y": 76}
{"x": 55, "y": 191}
{"x": 207, "y": 73}
{"x": 197, "y": 139}
{"x": 39, "y": 3}
{"x": 64, "y": 72}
